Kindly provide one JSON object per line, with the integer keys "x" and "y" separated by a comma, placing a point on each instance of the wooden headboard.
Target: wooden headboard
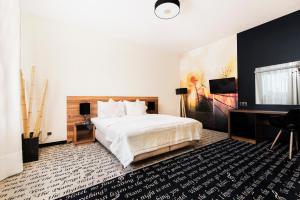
{"x": 73, "y": 102}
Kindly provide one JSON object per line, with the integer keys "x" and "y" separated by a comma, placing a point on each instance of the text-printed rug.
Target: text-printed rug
{"x": 224, "y": 170}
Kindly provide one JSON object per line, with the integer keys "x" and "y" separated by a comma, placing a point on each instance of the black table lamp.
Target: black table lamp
{"x": 84, "y": 109}
{"x": 182, "y": 92}
{"x": 151, "y": 106}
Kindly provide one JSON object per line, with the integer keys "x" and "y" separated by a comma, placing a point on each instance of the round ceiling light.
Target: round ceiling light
{"x": 167, "y": 9}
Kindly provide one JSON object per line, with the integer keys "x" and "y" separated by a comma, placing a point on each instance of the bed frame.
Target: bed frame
{"x": 163, "y": 150}
{"x": 74, "y": 117}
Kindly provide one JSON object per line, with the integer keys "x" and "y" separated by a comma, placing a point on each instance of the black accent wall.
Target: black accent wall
{"x": 275, "y": 42}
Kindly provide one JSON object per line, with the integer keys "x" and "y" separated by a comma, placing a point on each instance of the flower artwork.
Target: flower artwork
{"x": 197, "y": 67}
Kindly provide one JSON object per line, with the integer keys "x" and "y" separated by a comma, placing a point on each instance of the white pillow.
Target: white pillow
{"x": 135, "y": 108}
{"x": 111, "y": 109}
{"x": 142, "y": 102}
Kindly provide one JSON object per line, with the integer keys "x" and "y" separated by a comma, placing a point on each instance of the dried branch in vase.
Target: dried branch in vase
{"x": 27, "y": 116}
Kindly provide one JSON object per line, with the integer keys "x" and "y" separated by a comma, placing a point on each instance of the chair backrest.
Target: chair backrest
{"x": 293, "y": 117}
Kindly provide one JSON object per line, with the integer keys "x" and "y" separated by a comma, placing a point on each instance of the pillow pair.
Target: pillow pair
{"x": 119, "y": 109}
{"x": 111, "y": 109}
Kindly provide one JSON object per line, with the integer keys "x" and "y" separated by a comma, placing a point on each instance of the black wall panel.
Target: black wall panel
{"x": 275, "y": 42}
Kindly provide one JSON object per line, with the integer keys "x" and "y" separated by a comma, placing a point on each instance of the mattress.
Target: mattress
{"x": 129, "y": 136}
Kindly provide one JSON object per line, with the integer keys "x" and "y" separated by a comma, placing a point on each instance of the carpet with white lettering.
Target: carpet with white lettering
{"x": 223, "y": 170}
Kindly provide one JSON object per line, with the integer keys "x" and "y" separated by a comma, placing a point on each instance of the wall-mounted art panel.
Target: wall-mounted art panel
{"x": 197, "y": 67}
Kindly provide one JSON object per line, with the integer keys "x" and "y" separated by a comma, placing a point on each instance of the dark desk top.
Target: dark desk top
{"x": 267, "y": 112}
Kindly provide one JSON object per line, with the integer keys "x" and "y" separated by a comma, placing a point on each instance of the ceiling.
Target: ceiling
{"x": 200, "y": 21}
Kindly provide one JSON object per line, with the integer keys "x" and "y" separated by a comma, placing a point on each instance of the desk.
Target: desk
{"x": 248, "y": 125}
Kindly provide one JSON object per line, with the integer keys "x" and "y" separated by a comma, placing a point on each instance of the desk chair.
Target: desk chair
{"x": 290, "y": 123}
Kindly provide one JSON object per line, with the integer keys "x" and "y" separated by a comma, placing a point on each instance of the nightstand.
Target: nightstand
{"x": 84, "y": 133}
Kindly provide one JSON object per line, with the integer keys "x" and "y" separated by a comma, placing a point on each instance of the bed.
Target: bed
{"x": 132, "y": 138}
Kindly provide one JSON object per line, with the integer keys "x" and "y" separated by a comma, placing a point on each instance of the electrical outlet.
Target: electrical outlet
{"x": 49, "y": 133}
{"x": 243, "y": 103}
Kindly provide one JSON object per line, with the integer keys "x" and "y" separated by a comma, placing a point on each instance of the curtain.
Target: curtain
{"x": 296, "y": 86}
{"x": 10, "y": 122}
{"x": 278, "y": 86}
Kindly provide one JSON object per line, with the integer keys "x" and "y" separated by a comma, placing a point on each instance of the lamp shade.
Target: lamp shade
{"x": 84, "y": 108}
{"x": 167, "y": 9}
{"x": 180, "y": 91}
{"x": 151, "y": 106}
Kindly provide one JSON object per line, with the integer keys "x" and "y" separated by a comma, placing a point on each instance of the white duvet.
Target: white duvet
{"x": 133, "y": 135}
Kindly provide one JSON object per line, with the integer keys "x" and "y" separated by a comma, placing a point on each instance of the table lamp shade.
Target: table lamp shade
{"x": 151, "y": 106}
{"x": 84, "y": 108}
{"x": 180, "y": 91}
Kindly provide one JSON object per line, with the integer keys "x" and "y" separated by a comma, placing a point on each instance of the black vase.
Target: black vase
{"x": 30, "y": 147}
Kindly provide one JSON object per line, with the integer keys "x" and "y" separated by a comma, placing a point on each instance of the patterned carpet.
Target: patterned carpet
{"x": 225, "y": 170}
{"x": 65, "y": 169}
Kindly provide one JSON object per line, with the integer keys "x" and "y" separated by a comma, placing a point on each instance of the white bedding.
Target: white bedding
{"x": 133, "y": 135}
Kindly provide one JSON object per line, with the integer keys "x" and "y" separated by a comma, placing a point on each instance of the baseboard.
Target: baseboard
{"x": 52, "y": 143}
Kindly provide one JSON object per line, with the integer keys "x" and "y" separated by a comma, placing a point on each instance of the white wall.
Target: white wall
{"x": 78, "y": 62}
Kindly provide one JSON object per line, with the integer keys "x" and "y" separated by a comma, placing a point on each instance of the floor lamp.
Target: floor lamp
{"x": 182, "y": 92}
